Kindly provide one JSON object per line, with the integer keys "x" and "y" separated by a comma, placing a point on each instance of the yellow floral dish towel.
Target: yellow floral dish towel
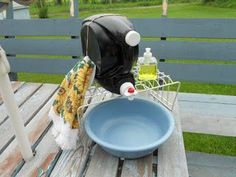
{"x": 64, "y": 112}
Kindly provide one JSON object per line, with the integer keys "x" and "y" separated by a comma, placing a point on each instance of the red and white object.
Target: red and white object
{"x": 127, "y": 89}
{"x": 12, "y": 108}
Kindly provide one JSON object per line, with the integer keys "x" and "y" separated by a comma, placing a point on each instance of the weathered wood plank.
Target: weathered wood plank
{"x": 42, "y": 46}
{"x": 62, "y": 66}
{"x": 41, "y": 27}
{"x": 102, "y": 164}
{"x": 159, "y": 27}
{"x": 209, "y": 73}
{"x": 28, "y": 110}
{"x": 72, "y": 163}
{"x": 46, "y": 152}
{"x": 211, "y": 165}
{"x": 224, "y": 51}
{"x": 206, "y": 98}
{"x": 171, "y": 155}
{"x": 11, "y": 157}
{"x": 205, "y": 109}
{"x": 219, "y": 73}
{"x": 186, "y": 28}
{"x": 211, "y": 114}
{"x": 20, "y": 96}
{"x": 224, "y": 126}
{"x": 138, "y": 168}
{"x": 44, "y": 160}
{"x": 15, "y": 86}
{"x": 162, "y": 49}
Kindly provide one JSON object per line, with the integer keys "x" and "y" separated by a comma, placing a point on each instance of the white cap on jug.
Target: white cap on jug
{"x": 132, "y": 38}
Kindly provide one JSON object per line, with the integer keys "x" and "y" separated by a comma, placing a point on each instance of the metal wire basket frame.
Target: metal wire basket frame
{"x": 159, "y": 90}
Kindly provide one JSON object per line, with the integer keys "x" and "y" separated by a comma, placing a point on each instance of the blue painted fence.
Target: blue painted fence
{"x": 41, "y": 44}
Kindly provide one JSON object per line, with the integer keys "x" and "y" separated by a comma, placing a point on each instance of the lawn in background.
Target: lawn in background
{"x": 210, "y": 144}
{"x": 175, "y": 11}
{"x": 186, "y": 10}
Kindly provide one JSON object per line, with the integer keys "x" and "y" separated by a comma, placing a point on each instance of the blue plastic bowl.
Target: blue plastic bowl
{"x": 129, "y": 129}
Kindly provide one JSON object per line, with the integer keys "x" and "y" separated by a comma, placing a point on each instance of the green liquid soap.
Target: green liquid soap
{"x": 147, "y": 72}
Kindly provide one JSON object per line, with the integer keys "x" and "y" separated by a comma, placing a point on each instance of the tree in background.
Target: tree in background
{"x": 42, "y": 9}
{"x": 58, "y": 2}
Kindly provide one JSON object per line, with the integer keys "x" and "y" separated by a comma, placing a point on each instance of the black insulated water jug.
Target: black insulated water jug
{"x": 112, "y": 44}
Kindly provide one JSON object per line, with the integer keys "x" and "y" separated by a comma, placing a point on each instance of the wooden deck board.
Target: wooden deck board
{"x": 15, "y": 86}
{"x": 45, "y": 161}
{"x": 210, "y": 110}
{"x": 141, "y": 167}
{"x": 171, "y": 155}
{"x": 211, "y": 165}
{"x": 208, "y": 125}
{"x": 46, "y": 152}
{"x": 11, "y": 158}
{"x": 20, "y": 96}
{"x": 210, "y": 114}
{"x": 28, "y": 110}
{"x": 207, "y": 98}
{"x": 73, "y": 163}
{"x": 102, "y": 164}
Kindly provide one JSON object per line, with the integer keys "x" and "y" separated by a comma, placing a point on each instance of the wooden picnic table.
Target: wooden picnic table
{"x": 89, "y": 160}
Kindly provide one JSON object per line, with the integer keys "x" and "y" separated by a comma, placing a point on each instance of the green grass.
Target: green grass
{"x": 210, "y": 144}
{"x": 175, "y": 10}
{"x": 201, "y": 11}
{"x": 221, "y": 3}
{"x": 41, "y": 78}
{"x": 193, "y": 142}
{"x": 63, "y": 11}
{"x": 197, "y": 87}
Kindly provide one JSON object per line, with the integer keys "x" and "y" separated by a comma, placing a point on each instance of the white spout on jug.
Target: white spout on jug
{"x": 127, "y": 89}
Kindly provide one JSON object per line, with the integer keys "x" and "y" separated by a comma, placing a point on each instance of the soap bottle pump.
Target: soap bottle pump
{"x": 147, "y": 66}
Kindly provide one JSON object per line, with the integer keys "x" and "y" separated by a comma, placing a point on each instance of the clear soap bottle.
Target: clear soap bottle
{"x": 147, "y": 66}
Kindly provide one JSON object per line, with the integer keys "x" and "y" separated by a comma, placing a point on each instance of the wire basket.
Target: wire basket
{"x": 163, "y": 90}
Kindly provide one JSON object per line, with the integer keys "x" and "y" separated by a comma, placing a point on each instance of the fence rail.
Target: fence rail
{"x": 43, "y": 37}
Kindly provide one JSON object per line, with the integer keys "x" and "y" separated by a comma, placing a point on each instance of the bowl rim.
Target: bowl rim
{"x": 130, "y": 149}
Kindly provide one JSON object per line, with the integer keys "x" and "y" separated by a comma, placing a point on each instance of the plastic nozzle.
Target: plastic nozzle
{"x": 127, "y": 89}
{"x": 131, "y": 90}
{"x": 148, "y": 49}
